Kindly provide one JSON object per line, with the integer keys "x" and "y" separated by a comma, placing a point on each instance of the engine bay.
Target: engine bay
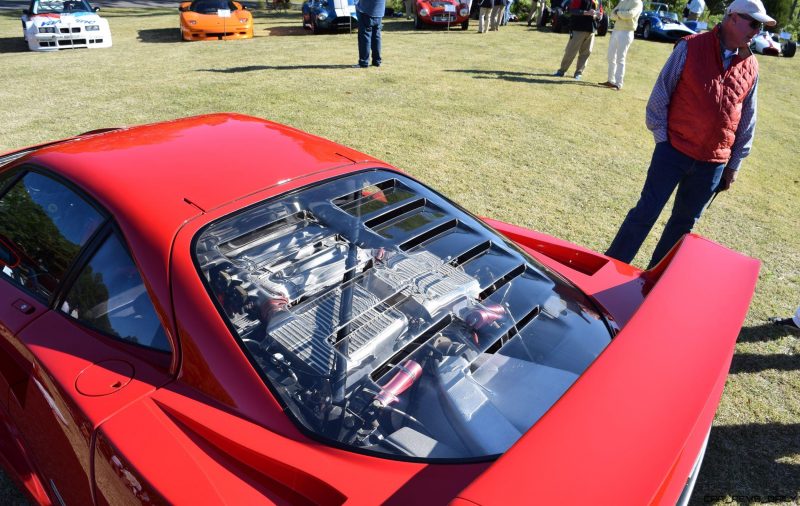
{"x": 388, "y": 320}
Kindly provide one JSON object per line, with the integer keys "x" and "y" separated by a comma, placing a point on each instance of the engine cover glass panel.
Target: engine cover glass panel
{"x": 388, "y": 320}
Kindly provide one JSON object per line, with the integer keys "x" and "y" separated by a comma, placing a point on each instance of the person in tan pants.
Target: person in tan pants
{"x": 583, "y": 25}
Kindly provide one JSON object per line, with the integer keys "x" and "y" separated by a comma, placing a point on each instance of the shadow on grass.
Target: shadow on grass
{"x": 150, "y": 13}
{"x": 288, "y": 31}
{"x": 749, "y": 464}
{"x": 160, "y": 35}
{"x": 749, "y": 362}
{"x": 11, "y": 14}
{"x": 522, "y": 77}
{"x": 13, "y": 45}
{"x": 254, "y": 68}
{"x": 765, "y": 332}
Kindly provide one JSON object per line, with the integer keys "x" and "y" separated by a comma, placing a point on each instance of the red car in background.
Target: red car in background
{"x": 441, "y": 13}
{"x": 307, "y": 324}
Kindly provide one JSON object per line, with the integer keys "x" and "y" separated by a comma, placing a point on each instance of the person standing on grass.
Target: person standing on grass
{"x": 584, "y": 15}
{"x": 507, "y": 12}
{"x": 498, "y": 7}
{"x": 625, "y": 16}
{"x": 370, "y": 17}
{"x": 485, "y": 15}
{"x": 536, "y": 13}
{"x": 791, "y": 322}
{"x": 409, "y": 8}
{"x": 702, "y": 112}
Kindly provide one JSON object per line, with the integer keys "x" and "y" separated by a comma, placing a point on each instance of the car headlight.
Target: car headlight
{"x": 322, "y": 16}
{"x": 47, "y": 29}
{"x": 92, "y": 28}
{"x": 192, "y": 21}
{"x": 423, "y": 12}
{"x": 243, "y": 20}
{"x": 464, "y": 12}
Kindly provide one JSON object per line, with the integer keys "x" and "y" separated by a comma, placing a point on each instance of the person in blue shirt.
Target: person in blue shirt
{"x": 370, "y": 14}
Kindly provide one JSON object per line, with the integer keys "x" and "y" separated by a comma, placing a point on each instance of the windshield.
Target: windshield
{"x": 211, "y": 6}
{"x": 657, "y": 7}
{"x": 388, "y": 320}
{"x": 61, "y": 6}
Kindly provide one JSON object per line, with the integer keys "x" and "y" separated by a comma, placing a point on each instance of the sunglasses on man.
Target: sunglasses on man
{"x": 753, "y": 23}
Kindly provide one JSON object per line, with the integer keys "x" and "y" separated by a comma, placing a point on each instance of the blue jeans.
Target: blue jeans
{"x": 369, "y": 36}
{"x": 696, "y": 182}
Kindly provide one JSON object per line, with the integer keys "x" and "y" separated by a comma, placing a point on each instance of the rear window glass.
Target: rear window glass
{"x": 390, "y": 321}
{"x": 43, "y": 225}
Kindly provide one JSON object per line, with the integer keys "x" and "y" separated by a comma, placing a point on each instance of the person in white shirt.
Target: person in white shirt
{"x": 625, "y": 16}
{"x": 695, "y": 8}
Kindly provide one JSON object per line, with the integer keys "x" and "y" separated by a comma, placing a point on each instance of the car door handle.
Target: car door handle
{"x": 24, "y": 307}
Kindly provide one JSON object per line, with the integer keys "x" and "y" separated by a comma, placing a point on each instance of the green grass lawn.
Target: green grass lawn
{"x": 482, "y": 120}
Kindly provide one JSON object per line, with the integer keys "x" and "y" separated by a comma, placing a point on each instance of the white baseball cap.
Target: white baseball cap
{"x": 753, "y": 8}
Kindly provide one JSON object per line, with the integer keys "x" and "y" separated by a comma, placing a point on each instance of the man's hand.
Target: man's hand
{"x": 728, "y": 177}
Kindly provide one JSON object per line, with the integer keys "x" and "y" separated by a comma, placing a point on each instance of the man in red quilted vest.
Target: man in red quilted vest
{"x": 702, "y": 113}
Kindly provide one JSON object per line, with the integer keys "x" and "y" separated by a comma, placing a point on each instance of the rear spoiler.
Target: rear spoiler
{"x": 630, "y": 429}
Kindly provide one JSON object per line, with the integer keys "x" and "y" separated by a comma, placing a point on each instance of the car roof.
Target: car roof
{"x": 154, "y": 178}
{"x": 190, "y": 165}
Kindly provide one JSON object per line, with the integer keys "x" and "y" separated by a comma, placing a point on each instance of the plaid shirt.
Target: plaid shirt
{"x": 658, "y": 105}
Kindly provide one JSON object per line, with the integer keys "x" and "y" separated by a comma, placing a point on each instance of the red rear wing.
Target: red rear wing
{"x": 629, "y": 430}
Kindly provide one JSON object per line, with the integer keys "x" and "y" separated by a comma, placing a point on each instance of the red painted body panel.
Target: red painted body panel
{"x": 209, "y": 431}
{"x": 437, "y": 12}
{"x": 666, "y": 369}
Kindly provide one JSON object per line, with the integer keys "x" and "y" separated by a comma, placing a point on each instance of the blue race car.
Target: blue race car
{"x": 329, "y": 15}
{"x": 657, "y": 22}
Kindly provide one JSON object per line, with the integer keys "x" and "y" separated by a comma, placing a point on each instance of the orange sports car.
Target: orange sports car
{"x": 215, "y": 19}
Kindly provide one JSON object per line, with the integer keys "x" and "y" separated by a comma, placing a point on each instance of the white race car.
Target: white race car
{"x": 50, "y": 25}
{"x": 773, "y": 45}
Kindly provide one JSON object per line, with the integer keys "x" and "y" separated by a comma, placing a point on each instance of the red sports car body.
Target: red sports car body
{"x": 441, "y": 13}
{"x": 307, "y": 324}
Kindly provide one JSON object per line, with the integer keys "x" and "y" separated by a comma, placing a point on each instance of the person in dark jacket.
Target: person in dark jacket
{"x": 370, "y": 16}
{"x": 584, "y": 15}
{"x": 702, "y": 113}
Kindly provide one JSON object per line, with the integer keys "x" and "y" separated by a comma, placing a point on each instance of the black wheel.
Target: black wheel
{"x": 314, "y": 28}
{"x": 790, "y": 49}
{"x": 646, "y": 32}
{"x": 417, "y": 22}
{"x": 602, "y": 26}
{"x": 465, "y": 25}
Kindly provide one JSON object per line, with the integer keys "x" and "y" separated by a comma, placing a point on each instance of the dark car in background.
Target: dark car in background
{"x": 657, "y": 22}
{"x": 329, "y": 15}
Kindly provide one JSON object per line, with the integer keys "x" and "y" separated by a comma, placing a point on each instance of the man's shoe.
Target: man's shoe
{"x": 608, "y": 84}
{"x": 376, "y": 64}
{"x": 558, "y": 73}
{"x": 359, "y": 66}
{"x": 783, "y": 322}
{"x": 577, "y": 77}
